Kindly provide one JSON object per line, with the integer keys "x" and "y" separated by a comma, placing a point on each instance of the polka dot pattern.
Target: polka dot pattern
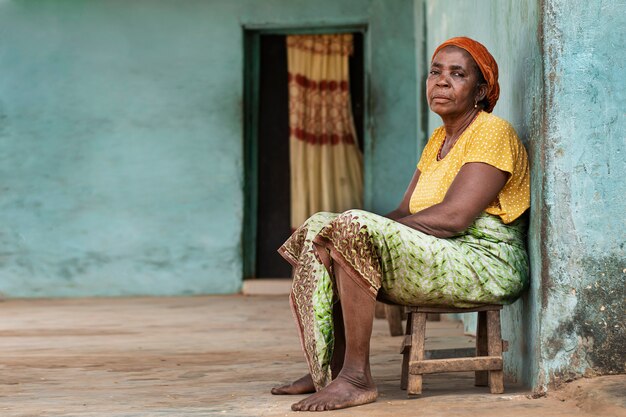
{"x": 489, "y": 139}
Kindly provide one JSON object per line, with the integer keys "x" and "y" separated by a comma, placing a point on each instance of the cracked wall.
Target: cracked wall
{"x": 584, "y": 283}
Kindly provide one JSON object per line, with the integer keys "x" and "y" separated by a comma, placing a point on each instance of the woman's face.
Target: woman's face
{"x": 452, "y": 86}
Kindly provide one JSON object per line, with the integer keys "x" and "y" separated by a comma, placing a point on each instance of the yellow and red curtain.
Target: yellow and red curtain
{"x": 325, "y": 161}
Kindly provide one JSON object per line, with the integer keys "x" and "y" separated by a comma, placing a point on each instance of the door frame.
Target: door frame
{"x": 251, "y": 77}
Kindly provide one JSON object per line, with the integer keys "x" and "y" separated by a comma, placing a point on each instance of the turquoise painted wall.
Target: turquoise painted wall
{"x": 121, "y": 137}
{"x": 584, "y": 285}
{"x": 510, "y": 31}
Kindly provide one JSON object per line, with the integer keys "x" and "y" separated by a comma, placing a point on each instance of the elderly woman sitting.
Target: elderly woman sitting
{"x": 456, "y": 239}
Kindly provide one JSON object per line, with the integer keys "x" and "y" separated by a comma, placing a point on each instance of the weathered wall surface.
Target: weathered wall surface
{"x": 584, "y": 281}
{"x": 121, "y": 136}
{"x": 510, "y": 31}
{"x": 120, "y": 148}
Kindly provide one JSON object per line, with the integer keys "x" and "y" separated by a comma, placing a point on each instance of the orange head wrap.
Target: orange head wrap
{"x": 486, "y": 63}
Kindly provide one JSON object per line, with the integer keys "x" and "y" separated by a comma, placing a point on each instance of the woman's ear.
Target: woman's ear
{"x": 481, "y": 92}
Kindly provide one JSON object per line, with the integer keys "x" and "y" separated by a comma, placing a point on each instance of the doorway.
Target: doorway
{"x": 267, "y": 216}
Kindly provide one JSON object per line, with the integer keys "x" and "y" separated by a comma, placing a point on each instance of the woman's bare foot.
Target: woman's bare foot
{"x": 303, "y": 385}
{"x": 347, "y": 390}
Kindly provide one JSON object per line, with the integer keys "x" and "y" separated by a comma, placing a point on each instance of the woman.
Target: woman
{"x": 457, "y": 237}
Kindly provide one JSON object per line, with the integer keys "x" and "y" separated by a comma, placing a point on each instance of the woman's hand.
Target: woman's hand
{"x": 475, "y": 187}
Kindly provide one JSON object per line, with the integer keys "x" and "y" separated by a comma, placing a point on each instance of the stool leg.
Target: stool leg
{"x": 481, "y": 377}
{"x": 418, "y": 333}
{"x": 394, "y": 318}
{"x": 405, "y": 356}
{"x": 379, "y": 312}
{"x": 433, "y": 317}
{"x": 496, "y": 378}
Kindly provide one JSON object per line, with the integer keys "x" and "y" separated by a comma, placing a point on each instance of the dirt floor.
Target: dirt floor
{"x": 219, "y": 356}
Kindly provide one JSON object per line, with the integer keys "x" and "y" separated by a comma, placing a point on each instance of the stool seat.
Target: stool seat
{"x": 486, "y": 360}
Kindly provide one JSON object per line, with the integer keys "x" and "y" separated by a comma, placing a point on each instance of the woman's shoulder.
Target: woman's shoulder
{"x": 436, "y": 137}
{"x": 495, "y": 126}
{"x": 437, "y": 132}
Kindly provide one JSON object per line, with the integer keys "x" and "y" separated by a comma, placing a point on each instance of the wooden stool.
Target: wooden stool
{"x": 487, "y": 360}
{"x": 395, "y": 314}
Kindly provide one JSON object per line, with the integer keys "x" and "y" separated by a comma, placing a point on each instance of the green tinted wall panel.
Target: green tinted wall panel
{"x": 122, "y": 137}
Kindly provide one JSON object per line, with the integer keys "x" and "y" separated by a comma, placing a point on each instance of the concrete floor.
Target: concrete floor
{"x": 219, "y": 356}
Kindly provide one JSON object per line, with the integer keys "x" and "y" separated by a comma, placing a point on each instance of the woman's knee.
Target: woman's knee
{"x": 349, "y": 217}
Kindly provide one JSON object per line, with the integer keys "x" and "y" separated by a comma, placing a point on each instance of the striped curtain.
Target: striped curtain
{"x": 325, "y": 161}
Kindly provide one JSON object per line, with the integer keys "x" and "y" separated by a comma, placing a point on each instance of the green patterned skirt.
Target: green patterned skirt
{"x": 486, "y": 264}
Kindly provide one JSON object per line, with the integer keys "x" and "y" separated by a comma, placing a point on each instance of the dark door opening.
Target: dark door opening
{"x": 272, "y": 147}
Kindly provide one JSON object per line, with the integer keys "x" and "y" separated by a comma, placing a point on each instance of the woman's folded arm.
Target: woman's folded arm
{"x": 476, "y": 185}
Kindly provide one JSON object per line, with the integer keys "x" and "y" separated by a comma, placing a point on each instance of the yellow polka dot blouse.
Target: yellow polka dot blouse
{"x": 489, "y": 139}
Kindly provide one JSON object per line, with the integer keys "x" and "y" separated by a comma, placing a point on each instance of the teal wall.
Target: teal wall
{"x": 584, "y": 284}
{"x": 510, "y": 31}
{"x": 121, "y": 137}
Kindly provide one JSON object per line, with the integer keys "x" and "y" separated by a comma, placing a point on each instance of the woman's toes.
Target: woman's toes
{"x": 282, "y": 390}
{"x": 297, "y": 406}
{"x": 303, "y": 385}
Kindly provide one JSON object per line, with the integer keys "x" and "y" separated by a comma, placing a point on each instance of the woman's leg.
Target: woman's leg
{"x": 313, "y": 305}
{"x": 354, "y": 384}
{"x": 304, "y": 385}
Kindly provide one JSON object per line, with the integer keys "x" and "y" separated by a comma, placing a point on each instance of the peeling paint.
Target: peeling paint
{"x": 583, "y": 284}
